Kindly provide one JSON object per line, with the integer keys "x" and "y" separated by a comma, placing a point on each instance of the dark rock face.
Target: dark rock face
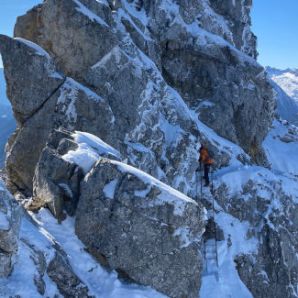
{"x": 67, "y": 282}
{"x": 232, "y": 91}
{"x": 141, "y": 229}
{"x": 56, "y": 182}
{"x": 75, "y": 39}
{"x": 10, "y": 214}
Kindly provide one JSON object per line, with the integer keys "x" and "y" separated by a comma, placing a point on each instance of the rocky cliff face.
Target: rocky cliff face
{"x": 154, "y": 80}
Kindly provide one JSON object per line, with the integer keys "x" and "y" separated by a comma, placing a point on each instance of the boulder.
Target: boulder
{"x": 56, "y": 183}
{"x": 58, "y": 173}
{"x": 146, "y": 231}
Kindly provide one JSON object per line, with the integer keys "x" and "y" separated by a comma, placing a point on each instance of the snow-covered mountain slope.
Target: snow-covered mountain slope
{"x": 287, "y": 79}
{"x": 285, "y": 83}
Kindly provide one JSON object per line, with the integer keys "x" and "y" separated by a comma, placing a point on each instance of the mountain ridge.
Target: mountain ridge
{"x": 112, "y": 109}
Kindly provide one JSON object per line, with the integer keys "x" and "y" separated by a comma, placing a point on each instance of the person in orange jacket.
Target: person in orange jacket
{"x": 207, "y": 161}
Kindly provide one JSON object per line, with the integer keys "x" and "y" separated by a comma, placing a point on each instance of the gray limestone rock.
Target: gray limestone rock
{"x": 77, "y": 39}
{"x": 56, "y": 182}
{"x": 140, "y": 227}
{"x": 229, "y": 89}
{"x": 10, "y": 218}
{"x": 149, "y": 73}
{"x": 60, "y": 271}
{"x": 70, "y": 105}
{"x": 272, "y": 214}
{"x": 24, "y": 60}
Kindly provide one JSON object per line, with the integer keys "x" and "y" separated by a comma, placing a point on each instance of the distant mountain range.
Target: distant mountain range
{"x": 7, "y": 122}
{"x": 285, "y": 83}
{"x": 3, "y": 98}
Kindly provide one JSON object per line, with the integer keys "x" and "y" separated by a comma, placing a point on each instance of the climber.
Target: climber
{"x": 207, "y": 161}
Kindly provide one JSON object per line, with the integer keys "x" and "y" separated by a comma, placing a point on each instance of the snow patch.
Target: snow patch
{"x": 90, "y": 149}
{"x": 167, "y": 195}
{"x": 88, "y": 13}
{"x": 109, "y": 189}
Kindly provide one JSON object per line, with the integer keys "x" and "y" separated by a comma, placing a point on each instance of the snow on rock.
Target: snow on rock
{"x": 252, "y": 205}
{"x": 167, "y": 195}
{"x": 100, "y": 282}
{"x": 109, "y": 189}
{"x": 90, "y": 149}
{"x": 155, "y": 97}
{"x": 39, "y": 239}
{"x": 88, "y": 13}
{"x": 225, "y": 282}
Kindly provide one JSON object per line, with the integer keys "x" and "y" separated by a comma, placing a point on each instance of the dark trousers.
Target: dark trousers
{"x": 206, "y": 173}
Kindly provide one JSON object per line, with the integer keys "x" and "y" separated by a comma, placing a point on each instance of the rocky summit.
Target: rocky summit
{"x": 113, "y": 100}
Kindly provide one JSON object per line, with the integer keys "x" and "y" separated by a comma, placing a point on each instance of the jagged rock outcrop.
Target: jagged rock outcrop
{"x": 52, "y": 106}
{"x": 229, "y": 90}
{"x": 34, "y": 63}
{"x": 10, "y": 217}
{"x": 138, "y": 215}
{"x": 147, "y": 77}
{"x": 80, "y": 30}
{"x": 22, "y": 241}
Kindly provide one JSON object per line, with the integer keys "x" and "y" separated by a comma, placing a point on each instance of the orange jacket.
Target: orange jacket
{"x": 204, "y": 156}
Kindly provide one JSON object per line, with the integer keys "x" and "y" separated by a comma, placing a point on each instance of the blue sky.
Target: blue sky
{"x": 275, "y": 22}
